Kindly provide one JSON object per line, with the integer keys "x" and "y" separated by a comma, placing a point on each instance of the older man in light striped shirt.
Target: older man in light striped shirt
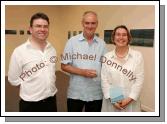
{"x": 81, "y": 58}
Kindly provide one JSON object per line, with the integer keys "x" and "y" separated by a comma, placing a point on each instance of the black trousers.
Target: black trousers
{"x": 75, "y": 105}
{"x": 45, "y": 105}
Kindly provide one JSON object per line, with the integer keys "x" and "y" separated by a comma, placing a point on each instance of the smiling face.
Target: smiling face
{"x": 39, "y": 30}
{"x": 89, "y": 24}
{"x": 121, "y": 37}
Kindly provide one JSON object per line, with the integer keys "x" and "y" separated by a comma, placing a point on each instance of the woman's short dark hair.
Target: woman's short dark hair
{"x": 38, "y": 16}
{"x": 124, "y": 27}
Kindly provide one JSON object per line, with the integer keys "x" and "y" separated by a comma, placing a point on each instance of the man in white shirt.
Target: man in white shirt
{"x": 32, "y": 68}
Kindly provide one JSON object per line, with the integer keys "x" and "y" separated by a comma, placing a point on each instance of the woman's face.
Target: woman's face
{"x": 121, "y": 37}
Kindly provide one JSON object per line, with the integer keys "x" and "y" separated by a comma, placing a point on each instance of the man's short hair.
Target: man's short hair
{"x": 38, "y": 16}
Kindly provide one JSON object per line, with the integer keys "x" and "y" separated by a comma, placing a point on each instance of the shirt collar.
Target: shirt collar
{"x": 29, "y": 45}
{"x": 82, "y": 38}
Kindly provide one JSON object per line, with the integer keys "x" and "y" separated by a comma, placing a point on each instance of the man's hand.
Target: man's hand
{"x": 89, "y": 73}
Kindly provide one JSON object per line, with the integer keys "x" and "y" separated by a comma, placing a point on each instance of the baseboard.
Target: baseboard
{"x": 146, "y": 108}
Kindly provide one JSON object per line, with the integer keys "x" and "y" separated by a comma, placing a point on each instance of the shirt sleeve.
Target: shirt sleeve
{"x": 66, "y": 56}
{"x": 15, "y": 70}
{"x": 139, "y": 72}
{"x": 105, "y": 80}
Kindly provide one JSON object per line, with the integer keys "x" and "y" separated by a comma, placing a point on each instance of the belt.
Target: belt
{"x": 48, "y": 99}
{"x": 43, "y": 100}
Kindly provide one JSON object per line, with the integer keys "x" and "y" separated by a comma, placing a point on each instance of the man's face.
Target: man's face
{"x": 39, "y": 29}
{"x": 89, "y": 24}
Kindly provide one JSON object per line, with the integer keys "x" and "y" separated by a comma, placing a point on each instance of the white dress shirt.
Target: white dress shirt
{"x": 127, "y": 74}
{"x": 34, "y": 71}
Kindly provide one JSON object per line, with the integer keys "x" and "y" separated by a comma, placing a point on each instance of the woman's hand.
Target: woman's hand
{"x": 117, "y": 106}
{"x": 123, "y": 103}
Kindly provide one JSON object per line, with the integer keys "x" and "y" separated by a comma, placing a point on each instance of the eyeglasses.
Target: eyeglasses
{"x": 41, "y": 26}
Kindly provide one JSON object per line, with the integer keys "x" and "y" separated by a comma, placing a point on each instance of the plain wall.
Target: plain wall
{"x": 64, "y": 18}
